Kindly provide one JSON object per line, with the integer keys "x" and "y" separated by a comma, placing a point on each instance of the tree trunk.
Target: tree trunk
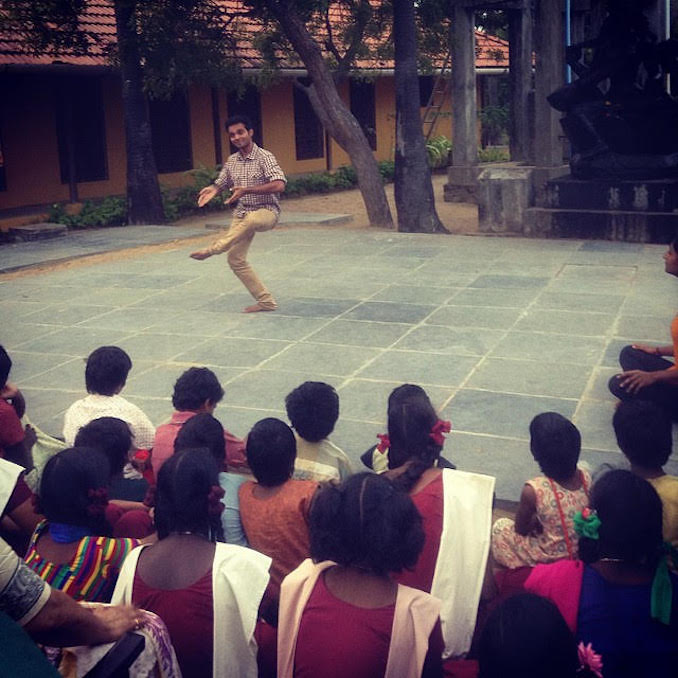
{"x": 144, "y": 201}
{"x": 413, "y": 187}
{"x": 335, "y": 116}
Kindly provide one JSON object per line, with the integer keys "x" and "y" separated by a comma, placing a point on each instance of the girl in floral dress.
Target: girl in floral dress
{"x": 543, "y": 530}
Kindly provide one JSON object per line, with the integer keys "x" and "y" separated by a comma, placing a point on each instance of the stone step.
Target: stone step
{"x": 41, "y": 231}
{"x": 659, "y": 195}
{"x": 622, "y": 225}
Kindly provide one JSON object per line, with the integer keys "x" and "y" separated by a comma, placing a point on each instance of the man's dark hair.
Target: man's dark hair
{"x": 181, "y": 498}
{"x": 107, "y": 369}
{"x": 366, "y": 522}
{"x": 271, "y": 451}
{"x": 313, "y": 409}
{"x": 194, "y": 387}
{"x": 110, "y": 435}
{"x": 65, "y": 487}
{"x": 5, "y": 366}
{"x": 238, "y": 119}
{"x": 203, "y": 430}
{"x": 555, "y": 443}
{"x": 643, "y": 432}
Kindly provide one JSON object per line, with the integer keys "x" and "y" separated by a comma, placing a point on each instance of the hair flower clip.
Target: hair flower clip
{"x": 590, "y": 659}
{"x": 384, "y": 442}
{"x": 438, "y": 431}
{"x": 587, "y": 523}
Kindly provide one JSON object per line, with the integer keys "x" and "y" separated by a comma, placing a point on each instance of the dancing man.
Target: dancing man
{"x": 255, "y": 179}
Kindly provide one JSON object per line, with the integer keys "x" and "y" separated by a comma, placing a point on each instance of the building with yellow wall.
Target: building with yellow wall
{"x": 62, "y": 133}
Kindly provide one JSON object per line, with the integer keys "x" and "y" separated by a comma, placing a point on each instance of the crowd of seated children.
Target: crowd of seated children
{"x": 204, "y": 431}
{"x": 196, "y": 391}
{"x": 343, "y": 614}
{"x": 620, "y": 597}
{"x": 105, "y": 376}
{"x": 200, "y": 501}
{"x": 69, "y": 549}
{"x": 274, "y": 510}
{"x": 453, "y": 561}
{"x": 543, "y": 530}
{"x": 643, "y": 431}
{"x": 313, "y": 410}
{"x": 207, "y": 593}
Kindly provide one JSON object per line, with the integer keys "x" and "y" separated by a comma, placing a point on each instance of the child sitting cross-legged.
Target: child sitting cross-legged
{"x": 105, "y": 377}
{"x": 643, "y": 431}
{"x": 274, "y": 510}
{"x": 543, "y": 530}
{"x": 207, "y": 593}
{"x": 313, "y": 410}
{"x": 203, "y": 431}
{"x": 69, "y": 549}
{"x": 343, "y": 614}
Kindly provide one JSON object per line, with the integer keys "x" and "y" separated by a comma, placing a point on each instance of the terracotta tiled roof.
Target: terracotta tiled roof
{"x": 98, "y": 20}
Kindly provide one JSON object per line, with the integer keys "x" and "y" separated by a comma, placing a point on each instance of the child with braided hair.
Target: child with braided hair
{"x": 456, "y": 511}
{"x": 69, "y": 550}
{"x": 207, "y": 593}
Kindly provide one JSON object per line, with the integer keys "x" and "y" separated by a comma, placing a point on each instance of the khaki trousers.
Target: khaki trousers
{"x": 236, "y": 241}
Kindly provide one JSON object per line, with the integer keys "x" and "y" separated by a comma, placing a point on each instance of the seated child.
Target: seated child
{"x": 643, "y": 431}
{"x": 527, "y": 637}
{"x": 196, "y": 390}
{"x": 343, "y": 614}
{"x": 15, "y": 440}
{"x": 105, "y": 376}
{"x": 274, "y": 510}
{"x": 313, "y": 410}
{"x": 204, "y": 431}
{"x": 208, "y": 594}
{"x": 126, "y": 513}
{"x": 68, "y": 549}
{"x": 543, "y": 530}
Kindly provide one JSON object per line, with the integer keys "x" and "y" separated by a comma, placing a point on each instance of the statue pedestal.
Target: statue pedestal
{"x": 606, "y": 209}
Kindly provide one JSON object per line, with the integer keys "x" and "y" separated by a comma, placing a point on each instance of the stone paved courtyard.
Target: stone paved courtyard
{"x": 496, "y": 330}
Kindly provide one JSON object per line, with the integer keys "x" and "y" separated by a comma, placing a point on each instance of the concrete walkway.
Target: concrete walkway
{"x": 496, "y": 330}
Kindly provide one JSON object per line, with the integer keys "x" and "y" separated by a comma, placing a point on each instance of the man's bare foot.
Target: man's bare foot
{"x": 255, "y": 308}
{"x": 201, "y": 254}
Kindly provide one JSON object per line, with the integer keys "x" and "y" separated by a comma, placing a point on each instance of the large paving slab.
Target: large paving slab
{"x": 496, "y": 330}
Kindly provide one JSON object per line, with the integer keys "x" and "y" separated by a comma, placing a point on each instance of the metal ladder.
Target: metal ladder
{"x": 439, "y": 94}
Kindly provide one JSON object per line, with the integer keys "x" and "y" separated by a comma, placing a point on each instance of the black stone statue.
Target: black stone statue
{"x": 620, "y": 120}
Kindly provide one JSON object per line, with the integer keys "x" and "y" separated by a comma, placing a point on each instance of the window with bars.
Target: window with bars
{"x": 81, "y": 137}
{"x": 171, "y": 132}
{"x": 364, "y": 109}
{"x": 308, "y": 132}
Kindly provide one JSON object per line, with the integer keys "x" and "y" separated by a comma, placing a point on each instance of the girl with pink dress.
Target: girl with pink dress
{"x": 543, "y": 530}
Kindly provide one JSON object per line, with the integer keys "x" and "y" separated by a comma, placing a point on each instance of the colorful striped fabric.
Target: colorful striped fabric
{"x": 90, "y": 574}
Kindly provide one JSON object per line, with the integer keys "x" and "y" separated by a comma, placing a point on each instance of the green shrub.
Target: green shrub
{"x": 438, "y": 150}
{"x": 493, "y": 154}
{"x": 387, "y": 170}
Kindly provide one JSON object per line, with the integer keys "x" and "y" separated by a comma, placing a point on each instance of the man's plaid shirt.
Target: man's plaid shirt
{"x": 258, "y": 167}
